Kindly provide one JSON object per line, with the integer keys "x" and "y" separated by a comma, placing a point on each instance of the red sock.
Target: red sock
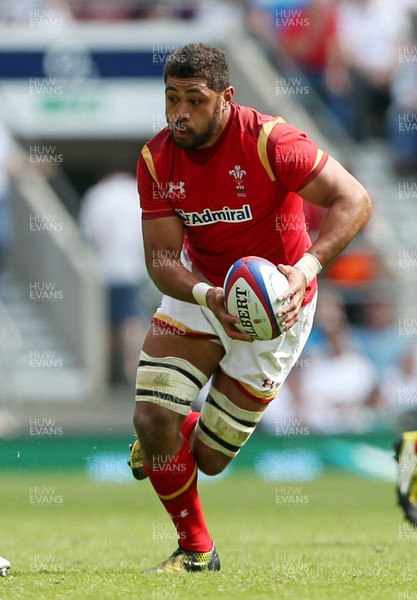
{"x": 188, "y": 424}
{"x": 175, "y": 482}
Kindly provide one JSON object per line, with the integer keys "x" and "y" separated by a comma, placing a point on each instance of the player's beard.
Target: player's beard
{"x": 194, "y": 141}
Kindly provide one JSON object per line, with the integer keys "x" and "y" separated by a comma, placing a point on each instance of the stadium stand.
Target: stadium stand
{"x": 111, "y": 69}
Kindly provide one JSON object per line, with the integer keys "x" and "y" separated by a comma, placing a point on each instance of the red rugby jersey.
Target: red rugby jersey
{"x": 238, "y": 197}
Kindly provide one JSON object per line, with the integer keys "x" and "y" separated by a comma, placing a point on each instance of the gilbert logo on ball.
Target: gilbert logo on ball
{"x": 252, "y": 287}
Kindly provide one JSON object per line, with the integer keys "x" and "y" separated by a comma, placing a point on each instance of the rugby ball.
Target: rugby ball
{"x": 252, "y": 287}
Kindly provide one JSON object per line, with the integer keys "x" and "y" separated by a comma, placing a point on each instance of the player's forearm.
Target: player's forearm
{"x": 345, "y": 217}
{"x": 171, "y": 277}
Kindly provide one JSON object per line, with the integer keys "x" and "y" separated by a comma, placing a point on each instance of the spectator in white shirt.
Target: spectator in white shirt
{"x": 110, "y": 218}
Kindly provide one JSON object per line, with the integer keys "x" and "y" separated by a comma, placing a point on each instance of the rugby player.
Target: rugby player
{"x": 406, "y": 485}
{"x": 222, "y": 181}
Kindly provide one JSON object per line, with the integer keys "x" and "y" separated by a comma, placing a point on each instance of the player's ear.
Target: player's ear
{"x": 228, "y": 96}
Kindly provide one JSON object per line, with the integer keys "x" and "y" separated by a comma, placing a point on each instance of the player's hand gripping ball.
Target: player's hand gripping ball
{"x": 252, "y": 287}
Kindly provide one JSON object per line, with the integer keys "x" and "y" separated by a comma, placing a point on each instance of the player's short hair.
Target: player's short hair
{"x": 200, "y": 60}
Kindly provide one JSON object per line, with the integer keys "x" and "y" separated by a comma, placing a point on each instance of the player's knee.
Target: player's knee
{"x": 153, "y": 422}
{"x": 212, "y": 468}
{"x": 223, "y": 427}
{"x": 210, "y": 462}
{"x": 165, "y": 390}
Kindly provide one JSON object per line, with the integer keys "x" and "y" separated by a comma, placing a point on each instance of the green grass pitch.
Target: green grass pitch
{"x": 339, "y": 536}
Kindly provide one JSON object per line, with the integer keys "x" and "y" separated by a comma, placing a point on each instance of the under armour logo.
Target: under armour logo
{"x": 176, "y": 187}
{"x": 267, "y": 383}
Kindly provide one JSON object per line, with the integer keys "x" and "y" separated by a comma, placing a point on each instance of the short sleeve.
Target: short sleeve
{"x": 153, "y": 198}
{"x": 295, "y": 160}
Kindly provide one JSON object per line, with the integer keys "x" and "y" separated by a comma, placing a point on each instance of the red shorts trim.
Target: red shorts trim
{"x": 257, "y": 399}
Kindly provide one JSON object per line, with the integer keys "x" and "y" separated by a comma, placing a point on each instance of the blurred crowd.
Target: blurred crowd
{"x": 114, "y": 10}
{"x": 355, "y": 375}
{"x": 359, "y": 56}
{"x": 110, "y": 219}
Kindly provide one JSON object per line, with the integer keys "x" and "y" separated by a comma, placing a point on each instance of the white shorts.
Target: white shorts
{"x": 259, "y": 368}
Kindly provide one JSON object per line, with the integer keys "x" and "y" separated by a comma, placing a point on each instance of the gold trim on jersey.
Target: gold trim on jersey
{"x": 319, "y": 156}
{"x": 146, "y": 153}
{"x": 262, "y": 145}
